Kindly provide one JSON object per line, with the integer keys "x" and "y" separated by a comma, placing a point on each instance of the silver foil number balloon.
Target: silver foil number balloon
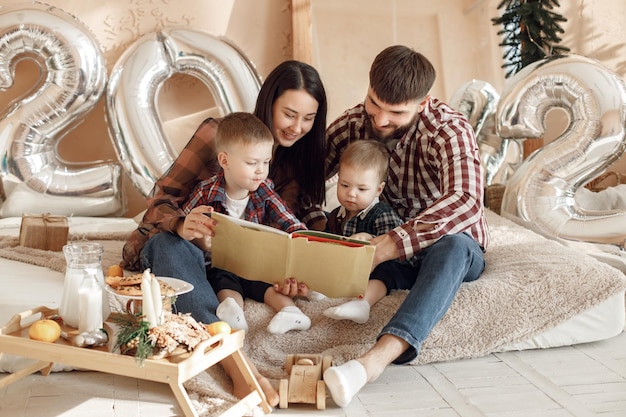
{"x": 139, "y": 74}
{"x": 541, "y": 193}
{"x": 478, "y": 101}
{"x": 72, "y": 79}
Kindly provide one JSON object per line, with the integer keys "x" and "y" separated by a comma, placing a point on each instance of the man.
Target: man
{"x": 435, "y": 185}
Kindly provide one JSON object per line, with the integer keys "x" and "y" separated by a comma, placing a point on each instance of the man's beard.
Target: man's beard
{"x": 392, "y": 137}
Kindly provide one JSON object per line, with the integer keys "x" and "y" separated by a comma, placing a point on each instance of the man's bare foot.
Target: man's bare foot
{"x": 271, "y": 396}
{"x": 241, "y": 388}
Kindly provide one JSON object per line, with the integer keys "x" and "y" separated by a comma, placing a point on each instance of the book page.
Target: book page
{"x": 335, "y": 270}
{"x": 249, "y": 225}
{"x": 329, "y": 237}
{"x": 251, "y": 252}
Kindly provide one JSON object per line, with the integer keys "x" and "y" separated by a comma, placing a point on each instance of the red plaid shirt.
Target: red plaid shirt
{"x": 435, "y": 175}
{"x": 265, "y": 205}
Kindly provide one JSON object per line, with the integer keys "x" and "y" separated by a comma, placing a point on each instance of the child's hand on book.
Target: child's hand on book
{"x": 362, "y": 236}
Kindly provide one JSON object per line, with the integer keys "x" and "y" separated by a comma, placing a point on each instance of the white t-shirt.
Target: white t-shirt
{"x": 236, "y": 208}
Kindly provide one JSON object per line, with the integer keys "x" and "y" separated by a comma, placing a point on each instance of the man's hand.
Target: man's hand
{"x": 197, "y": 225}
{"x": 386, "y": 250}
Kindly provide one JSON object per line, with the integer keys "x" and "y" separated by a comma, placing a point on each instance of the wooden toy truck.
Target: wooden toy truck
{"x": 305, "y": 383}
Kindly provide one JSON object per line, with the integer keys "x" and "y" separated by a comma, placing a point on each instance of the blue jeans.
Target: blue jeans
{"x": 169, "y": 255}
{"x": 433, "y": 283}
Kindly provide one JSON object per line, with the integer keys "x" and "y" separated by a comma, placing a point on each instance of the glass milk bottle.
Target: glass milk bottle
{"x": 89, "y": 305}
{"x": 82, "y": 259}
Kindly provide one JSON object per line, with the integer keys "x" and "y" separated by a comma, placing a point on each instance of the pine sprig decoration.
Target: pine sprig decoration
{"x": 530, "y": 31}
{"x": 132, "y": 337}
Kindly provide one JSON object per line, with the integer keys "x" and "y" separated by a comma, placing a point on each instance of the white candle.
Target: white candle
{"x": 157, "y": 301}
{"x": 147, "y": 303}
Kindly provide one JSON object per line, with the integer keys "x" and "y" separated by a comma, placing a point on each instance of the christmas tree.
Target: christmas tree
{"x": 530, "y": 32}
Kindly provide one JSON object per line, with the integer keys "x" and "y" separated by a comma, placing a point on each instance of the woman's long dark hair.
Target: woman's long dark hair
{"x": 305, "y": 159}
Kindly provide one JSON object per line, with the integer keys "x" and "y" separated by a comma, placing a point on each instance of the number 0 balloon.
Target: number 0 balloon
{"x": 72, "y": 79}
{"x": 541, "y": 193}
{"x": 140, "y": 73}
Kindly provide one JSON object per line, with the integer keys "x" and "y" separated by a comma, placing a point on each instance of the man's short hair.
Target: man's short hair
{"x": 399, "y": 75}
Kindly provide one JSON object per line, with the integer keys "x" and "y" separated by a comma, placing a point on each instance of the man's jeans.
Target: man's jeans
{"x": 168, "y": 255}
{"x": 435, "y": 280}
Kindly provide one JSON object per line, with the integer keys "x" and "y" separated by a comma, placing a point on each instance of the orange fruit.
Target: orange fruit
{"x": 115, "y": 271}
{"x": 218, "y": 327}
{"x": 45, "y": 330}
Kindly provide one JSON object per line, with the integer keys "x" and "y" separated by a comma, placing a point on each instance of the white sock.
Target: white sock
{"x": 289, "y": 318}
{"x": 230, "y": 312}
{"x": 345, "y": 381}
{"x": 356, "y": 310}
{"x": 315, "y": 296}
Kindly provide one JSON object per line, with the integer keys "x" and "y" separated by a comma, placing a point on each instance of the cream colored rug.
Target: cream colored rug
{"x": 530, "y": 285}
{"x": 112, "y": 242}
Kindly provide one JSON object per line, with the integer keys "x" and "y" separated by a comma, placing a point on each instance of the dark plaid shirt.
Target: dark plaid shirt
{"x": 377, "y": 219}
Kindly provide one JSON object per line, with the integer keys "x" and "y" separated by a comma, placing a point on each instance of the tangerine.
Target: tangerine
{"x": 115, "y": 271}
{"x": 45, "y": 330}
{"x": 218, "y": 327}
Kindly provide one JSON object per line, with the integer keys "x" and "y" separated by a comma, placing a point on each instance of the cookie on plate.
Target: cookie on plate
{"x": 128, "y": 290}
{"x": 130, "y": 280}
{"x": 135, "y": 290}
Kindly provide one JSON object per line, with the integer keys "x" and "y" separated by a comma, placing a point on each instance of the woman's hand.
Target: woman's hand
{"x": 292, "y": 288}
{"x": 197, "y": 225}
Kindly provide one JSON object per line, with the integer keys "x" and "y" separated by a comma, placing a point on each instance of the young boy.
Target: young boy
{"x": 362, "y": 172}
{"x": 241, "y": 189}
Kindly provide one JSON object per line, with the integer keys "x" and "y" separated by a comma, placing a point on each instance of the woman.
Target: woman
{"x": 297, "y": 167}
{"x": 292, "y": 103}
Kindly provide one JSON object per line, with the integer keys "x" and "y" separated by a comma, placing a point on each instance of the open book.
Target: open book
{"x": 333, "y": 265}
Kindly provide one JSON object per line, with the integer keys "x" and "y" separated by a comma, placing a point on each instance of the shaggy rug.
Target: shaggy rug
{"x": 112, "y": 243}
{"x": 530, "y": 285}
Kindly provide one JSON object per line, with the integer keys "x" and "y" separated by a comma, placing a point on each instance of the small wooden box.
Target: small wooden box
{"x": 44, "y": 231}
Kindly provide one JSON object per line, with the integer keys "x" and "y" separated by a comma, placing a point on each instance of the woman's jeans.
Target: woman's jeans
{"x": 169, "y": 255}
{"x": 433, "y": 278}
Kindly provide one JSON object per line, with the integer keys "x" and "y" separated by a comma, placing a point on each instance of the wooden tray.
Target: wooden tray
{"x": 173, "y": 371}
